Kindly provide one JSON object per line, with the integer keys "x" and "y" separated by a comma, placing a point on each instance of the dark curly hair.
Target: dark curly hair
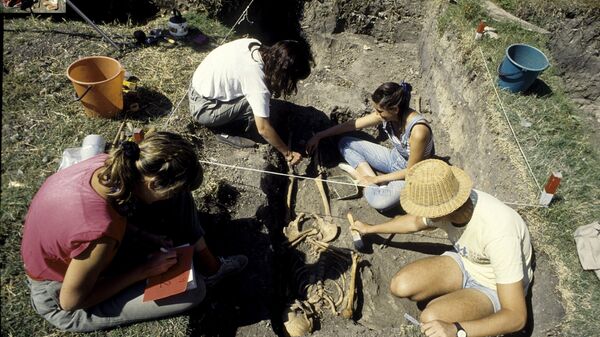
{"x": 286, "y": 62}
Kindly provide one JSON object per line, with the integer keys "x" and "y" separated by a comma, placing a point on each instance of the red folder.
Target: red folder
{"x": 174, "y": 281}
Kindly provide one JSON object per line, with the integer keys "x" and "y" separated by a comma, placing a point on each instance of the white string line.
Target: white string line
{"x": 279, "y": 173}
{"x": 172, "y": 113}
{"x": 243, "y": 16}
{"x": 508, "y": 121}
{"x": 323, "y": 180}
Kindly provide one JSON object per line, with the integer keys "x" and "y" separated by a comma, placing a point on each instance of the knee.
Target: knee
{"x": 429, "y": 314}
{"x": 343, "y": 144}
{"x": 401, "y": 286}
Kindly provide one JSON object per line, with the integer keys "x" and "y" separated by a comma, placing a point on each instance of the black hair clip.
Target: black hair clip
{"x": 131, "y": 150}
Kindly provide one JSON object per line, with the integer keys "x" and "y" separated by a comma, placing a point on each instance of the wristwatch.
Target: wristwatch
{"x": 460, "y": 332}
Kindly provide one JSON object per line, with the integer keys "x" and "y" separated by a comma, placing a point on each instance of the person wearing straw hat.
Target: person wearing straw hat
{"x": 409, "y": 133}
{"x": 232, "y": 87}
{"x": 479, "y": 287}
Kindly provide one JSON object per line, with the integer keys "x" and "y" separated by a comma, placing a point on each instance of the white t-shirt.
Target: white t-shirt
{"x": 494, "y": 245}
{"x": 232, "y": 71}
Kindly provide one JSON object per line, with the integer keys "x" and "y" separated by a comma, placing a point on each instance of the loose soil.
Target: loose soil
{"x": 357, "y": 46}
{"x": 353, "y": 56}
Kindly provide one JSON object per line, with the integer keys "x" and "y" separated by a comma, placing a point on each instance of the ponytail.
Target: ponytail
{"x": 166, "y": 159}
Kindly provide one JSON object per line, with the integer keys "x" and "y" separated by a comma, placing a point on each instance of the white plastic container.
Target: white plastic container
{"x": 91, "y": 146}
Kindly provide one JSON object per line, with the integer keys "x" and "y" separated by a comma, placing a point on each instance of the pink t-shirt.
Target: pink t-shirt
{"x": 65, "y": 215}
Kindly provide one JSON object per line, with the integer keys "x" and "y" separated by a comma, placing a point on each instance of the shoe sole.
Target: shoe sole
{"x": 232, "y": 144}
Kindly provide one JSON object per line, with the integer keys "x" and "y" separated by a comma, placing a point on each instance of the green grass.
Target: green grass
{"x": 556, "y": 141}
{"x": 40, "y": 120}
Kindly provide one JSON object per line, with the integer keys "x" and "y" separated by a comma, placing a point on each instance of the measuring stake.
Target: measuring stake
{"x": 550, "y": 188}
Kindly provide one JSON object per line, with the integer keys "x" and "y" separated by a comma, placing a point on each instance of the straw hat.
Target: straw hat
{"x": 434, "y": 189}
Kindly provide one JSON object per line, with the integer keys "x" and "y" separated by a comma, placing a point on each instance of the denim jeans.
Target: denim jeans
{"x": 381, "y": 159}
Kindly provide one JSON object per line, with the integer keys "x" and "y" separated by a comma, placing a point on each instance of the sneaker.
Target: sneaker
{"x": 229, "y": 265}
{"x": 348, "y": 169}
{"x": 235, "y": 141}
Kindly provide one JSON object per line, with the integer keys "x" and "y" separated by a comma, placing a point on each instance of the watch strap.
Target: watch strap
{"x": 459, "y": 328}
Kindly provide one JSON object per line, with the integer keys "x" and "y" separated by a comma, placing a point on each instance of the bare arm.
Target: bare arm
{"x": 351, "y": 125}
{"x": 82, "y": 286}
{"x": 403, "y": 224}
{"x": 265, "y": 129}
{"x": 512, "y": 317}
{"x": 418, "y": 141}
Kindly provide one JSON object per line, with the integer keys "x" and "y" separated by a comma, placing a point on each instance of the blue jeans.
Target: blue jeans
{"x": 381, "y": 159}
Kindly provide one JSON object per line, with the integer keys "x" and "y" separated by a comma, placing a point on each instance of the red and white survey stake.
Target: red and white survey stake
{"x": 550, "y": 188}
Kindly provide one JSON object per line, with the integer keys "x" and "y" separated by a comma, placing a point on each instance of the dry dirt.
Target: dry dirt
{"x": 247, "y": 209}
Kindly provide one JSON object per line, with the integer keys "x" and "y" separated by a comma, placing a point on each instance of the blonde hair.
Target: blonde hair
{"x": 166, "y": 159}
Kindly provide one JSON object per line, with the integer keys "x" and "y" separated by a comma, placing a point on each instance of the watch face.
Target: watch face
{"x": 461, "y": 333}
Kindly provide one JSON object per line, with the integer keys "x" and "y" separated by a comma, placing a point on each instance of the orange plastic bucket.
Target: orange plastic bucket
{"x": 98, "y": 82}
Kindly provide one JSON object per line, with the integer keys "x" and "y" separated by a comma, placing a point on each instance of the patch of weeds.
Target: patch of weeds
{"x": 205, "y": 24}
{"x": 508, "y": 5}
{"x": 554, "y": 138}
{"x": 471, "y": 9}
{"x": 40, "y": 119}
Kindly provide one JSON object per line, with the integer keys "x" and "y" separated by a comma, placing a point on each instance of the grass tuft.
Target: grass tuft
{"x": 40, "y": 119}
{"x": 554, "y": 138}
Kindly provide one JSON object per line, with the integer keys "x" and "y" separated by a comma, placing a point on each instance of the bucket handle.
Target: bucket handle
{"x": 77, "y": 99}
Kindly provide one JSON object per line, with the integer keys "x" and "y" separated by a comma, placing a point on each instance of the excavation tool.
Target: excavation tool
{"x": 118, "y": 135}
{"x": 348, "y": 311}
{"x": 387, "y": 241}
{"x": 356, "y": 238}
{"x": 292, "y": 179}
{"x": 411, "y": 319}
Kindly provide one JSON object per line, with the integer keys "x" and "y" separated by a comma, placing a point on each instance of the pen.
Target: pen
{"x": 411, "y": 319}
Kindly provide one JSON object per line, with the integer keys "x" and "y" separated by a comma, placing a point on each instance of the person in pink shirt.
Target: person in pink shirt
{"x": 97, "y": 230}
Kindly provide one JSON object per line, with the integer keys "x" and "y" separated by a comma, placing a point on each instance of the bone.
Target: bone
{"x": 329, "y": 301}
{"x": 302, "y": 236}
{"x": 325, "y": 246}
{"x": 320, "y": 185}
{"x": 296, "y": 320}
{"x": 327, "y": 229}
{"x": 293, "y": 228}
{"x": 348, "y": 311}
{"x": 340, "y": 299}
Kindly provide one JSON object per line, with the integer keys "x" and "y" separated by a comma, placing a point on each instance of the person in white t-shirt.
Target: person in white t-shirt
{"x": 479, "y": 288}
{"x": 232, "y": 87}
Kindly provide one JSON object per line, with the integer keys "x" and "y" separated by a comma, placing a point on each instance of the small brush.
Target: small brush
{"x": 356, "y": 238}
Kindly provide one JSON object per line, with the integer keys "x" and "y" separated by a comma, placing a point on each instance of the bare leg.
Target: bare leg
{"x": 427, "y": 278}
{"x": 460, "y": 305}
{"x": 364, "y": 170}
